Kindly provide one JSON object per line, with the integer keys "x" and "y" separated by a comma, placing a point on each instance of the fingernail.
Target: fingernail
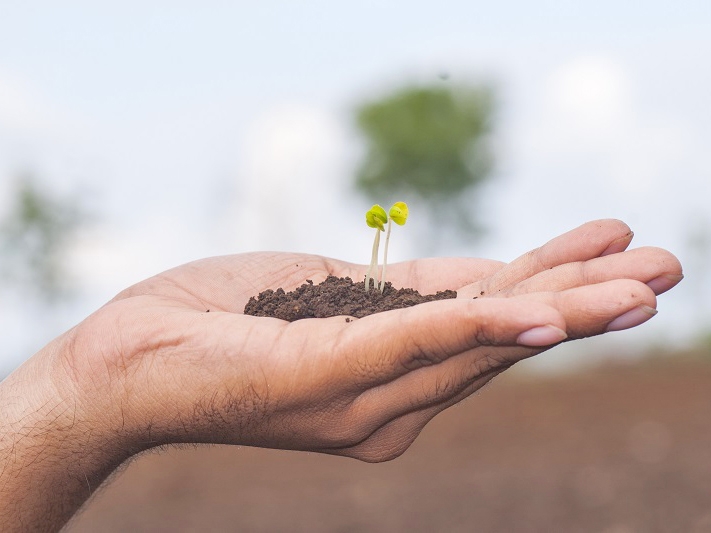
{"x": 618, "y": 245}
{"x": 542, "y": 336}
{"x": 664, "y": 283}
{"x": 633, "y": 317}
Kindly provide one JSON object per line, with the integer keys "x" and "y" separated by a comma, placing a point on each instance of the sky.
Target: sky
{"x": 181, "y": 124}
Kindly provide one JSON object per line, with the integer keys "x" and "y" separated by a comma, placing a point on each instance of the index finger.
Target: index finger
{"x": 380, "y": 348}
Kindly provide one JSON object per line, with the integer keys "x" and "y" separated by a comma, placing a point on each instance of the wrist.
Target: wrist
{"x": 54, "y": 452}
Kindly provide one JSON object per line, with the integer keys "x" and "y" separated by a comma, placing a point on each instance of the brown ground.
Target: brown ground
{"x": 624, "y": 449}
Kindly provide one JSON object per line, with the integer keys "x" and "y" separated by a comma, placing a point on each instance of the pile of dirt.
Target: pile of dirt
{"x": 335, "y": 297}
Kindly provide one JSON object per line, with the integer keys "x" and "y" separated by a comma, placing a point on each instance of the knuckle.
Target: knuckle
{"x": 418, "y": 357}
{"x": 419, "y": 354}
{"x": 486, "y": 360}
{"x": 486, "y": 332}
{"x": 491, "y": 361}
{"x": 362, "y": 368}
{"x": 445, "y": 386}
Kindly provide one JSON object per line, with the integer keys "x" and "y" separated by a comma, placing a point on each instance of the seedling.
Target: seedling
{"x": 376, "y": 218}
{"x": 398, "y": 214}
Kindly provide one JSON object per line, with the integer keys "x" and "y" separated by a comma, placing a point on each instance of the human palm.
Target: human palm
{"x": 186, "y": 365}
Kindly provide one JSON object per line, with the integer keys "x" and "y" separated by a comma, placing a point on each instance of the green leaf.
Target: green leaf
{"x": 376, "y": 217}
{"x": 398, "y": 213}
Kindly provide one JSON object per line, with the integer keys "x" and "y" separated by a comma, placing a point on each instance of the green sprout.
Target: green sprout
{"x": 376, "y": 218}
{"x": 398, "y": 214}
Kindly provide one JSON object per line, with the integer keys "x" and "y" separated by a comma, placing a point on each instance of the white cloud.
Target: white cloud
{"x": 589, "y": 134}
{"x": 21, "y": 109}
{"x": 292, "y": 180}
{"x": 29, "y": 114}
{"x": 40, "y": 137}
{"x": 108, "y": 259}
{"x": 591, "y": 94}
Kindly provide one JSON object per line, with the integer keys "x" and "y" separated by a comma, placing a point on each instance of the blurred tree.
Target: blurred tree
{"x": 430, "y": 142}
{"x": 34, "y": 236}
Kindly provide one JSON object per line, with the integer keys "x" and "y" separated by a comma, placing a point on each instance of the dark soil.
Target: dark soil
{"x": 335, "y": 297}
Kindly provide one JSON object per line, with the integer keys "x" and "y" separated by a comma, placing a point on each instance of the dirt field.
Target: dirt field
{"x": 616, "y": 450}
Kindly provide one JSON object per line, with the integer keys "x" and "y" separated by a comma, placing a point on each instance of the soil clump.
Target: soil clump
{"x": 335, "y": 297}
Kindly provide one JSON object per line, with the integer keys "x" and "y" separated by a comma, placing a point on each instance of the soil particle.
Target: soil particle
{"x": 335, "y": 297}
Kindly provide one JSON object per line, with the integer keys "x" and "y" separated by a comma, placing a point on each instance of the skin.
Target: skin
{"x": 153, "y": 367}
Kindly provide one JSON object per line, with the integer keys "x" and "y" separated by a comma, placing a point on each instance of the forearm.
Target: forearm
{"x": 51, "y": 456}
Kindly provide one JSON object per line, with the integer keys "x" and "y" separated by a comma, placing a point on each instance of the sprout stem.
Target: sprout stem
{"x": 373, "y": 262}
{"x": 385, "y": 255}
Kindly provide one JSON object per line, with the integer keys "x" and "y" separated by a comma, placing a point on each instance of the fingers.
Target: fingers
{"x": 394, "y": 437}
{"x": 657, "y": 268}
{"x": 589, "y": 310}
{"x": 408, "y": 404}
{"x": 435, "y": 388}
{"x": 595, "y": 309}
{"x": 381, "y": 348}
{"x": 593, "y": 239}
{"x": 432, "y": 334}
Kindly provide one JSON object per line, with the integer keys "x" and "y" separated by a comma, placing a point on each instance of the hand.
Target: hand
{"x": 363, "y": 388}
{"x": 173, "y": 359}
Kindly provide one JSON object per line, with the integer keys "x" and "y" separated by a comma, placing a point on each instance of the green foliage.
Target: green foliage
{"x": 429, "y": 142}
{"x": 34, "y": 236}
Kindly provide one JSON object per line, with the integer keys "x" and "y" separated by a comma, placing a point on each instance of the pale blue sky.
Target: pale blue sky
{"x": 182, "y": 118}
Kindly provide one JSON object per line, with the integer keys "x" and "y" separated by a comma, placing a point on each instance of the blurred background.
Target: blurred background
{"x": 139, "y": 136}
